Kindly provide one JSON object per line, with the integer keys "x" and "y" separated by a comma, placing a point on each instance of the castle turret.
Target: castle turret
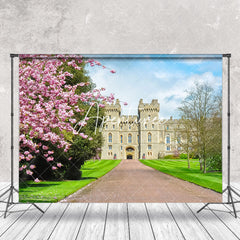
{"x": 113, "y": 110}
{"x": 148, "y": 111}
{"x": 148, "y": 129}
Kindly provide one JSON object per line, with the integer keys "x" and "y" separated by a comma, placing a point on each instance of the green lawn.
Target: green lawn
{"x": 53, "y": 191}
{"x": 179, "y": 169}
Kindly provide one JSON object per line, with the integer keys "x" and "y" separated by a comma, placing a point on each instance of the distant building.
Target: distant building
{"x": 141, "y": 136}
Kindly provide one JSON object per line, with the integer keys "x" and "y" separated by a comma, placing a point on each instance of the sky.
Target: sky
{"x": 155, "y": 77}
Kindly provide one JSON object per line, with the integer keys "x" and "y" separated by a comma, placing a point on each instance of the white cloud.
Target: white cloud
{"x": 168, "y": 87}
{"x": 178, "y": 91}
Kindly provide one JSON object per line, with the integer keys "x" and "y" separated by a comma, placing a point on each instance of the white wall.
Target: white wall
{"x": 105, "y": 26}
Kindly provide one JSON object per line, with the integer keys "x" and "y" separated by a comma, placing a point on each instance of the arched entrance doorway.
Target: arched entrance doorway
{"x": 130, "y": 151}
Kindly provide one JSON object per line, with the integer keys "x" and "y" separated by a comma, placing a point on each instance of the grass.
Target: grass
{"x": 53, "y": 191}
{"x": 179, "y": 169}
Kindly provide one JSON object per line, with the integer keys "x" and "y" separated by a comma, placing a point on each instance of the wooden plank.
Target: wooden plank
{"x": 187, "y": 222}
{"x": 3, "y": 186}
{"x": 4, "y": 204}
{"x": 236, "y": 185}
{"x": 117, "y": 222}
{"x": 139, "y": 224}
{"x": 47, "y": 223}
{"x": 16, "y": 212}
{"x": 212, "y": 223}
{"x": 229, "y": 220}
{"x": 23, "y": 224}
{"x": 92, "y": 227}
{"x": 70, "y": 222}
{"x": 163, "y": 224}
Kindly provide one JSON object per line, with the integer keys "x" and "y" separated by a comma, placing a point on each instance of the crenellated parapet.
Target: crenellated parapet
{"x": 114, "y": 108}
{"x": 154, "y": 106}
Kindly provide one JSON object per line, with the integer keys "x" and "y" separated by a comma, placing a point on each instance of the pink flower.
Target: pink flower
{"x": 54, "y": 168}
{"x": 45, "y": 147}
{"x": 72, "y": 120}
{"x": 101, "y": 105}
{"x": 125, "y": 103}
{"x": 29, "y": 172}
{"x": 70, "y": 159}
{"x": 37, "y": 180}
{"x": 59, "y": 164}
{"x": 49, "y": 159}
{"x": 83, "y": 135}
{"x": 90, "y": 139}
{"x": 32, "y": 166}
{"x": 113, "y": 71}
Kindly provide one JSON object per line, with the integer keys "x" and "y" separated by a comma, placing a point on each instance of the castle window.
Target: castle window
{"x": 109, "y": 147}
{"x": 121, "y": 147}
{"x": 152, "y": 125}
{"x": 145, "y": 125}
{"x": 110, "y": 117}
{"x": 149, "y": 147}
{"x": 138, "y": 138}
{"x": 168, "y": 139}
{"x": 113, "y": 126}
{"x": 121, "y": 127}
{"x": 179, "y": 148}
{"x": 129, "y": 138}
{"x": 106, "y": 126}
{"x": 121, "y": 138}
{"x": 178, "y": 139}
{"x": 167, "y": 127}
{"x": 149, "y": 137}
{"x": 149, "y": 116}
{"x": 109, "y": 137}
{"x": 129, "y": 127}
{"x": 168, "y": 148}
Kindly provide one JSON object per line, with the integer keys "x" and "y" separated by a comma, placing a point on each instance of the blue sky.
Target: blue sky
{"x": 152, "y": 78}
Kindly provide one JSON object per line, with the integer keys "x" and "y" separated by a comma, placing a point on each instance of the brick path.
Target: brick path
{"x": 131, "y": 181}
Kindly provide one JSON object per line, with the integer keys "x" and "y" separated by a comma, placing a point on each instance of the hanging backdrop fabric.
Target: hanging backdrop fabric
{"x": 120, "y": 128}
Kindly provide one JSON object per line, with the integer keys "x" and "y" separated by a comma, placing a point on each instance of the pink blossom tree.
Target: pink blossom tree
{"x": 51, "y": 106}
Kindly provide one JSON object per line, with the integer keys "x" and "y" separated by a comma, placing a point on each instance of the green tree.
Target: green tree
{"x": 201, "y": 110}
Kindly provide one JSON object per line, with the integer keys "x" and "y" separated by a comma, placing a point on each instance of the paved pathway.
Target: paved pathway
{"x": 131, "y": 181}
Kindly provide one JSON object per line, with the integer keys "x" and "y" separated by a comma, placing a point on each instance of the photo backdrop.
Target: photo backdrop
{"x": 95, "y": 128}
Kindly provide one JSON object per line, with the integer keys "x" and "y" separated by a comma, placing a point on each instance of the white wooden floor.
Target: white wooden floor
{"x": 112, "y": 221}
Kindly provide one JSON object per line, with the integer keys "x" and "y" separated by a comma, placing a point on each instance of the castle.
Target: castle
{"x": 142, "y": 136}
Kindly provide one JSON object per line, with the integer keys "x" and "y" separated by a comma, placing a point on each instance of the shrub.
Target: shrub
{"x": 214, "y": 163}
{"x": 183, "y": 156}
{"x": 169, "y": 157}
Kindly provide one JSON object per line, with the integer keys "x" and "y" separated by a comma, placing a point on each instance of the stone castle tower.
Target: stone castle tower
{"x": 141, "y": 136}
